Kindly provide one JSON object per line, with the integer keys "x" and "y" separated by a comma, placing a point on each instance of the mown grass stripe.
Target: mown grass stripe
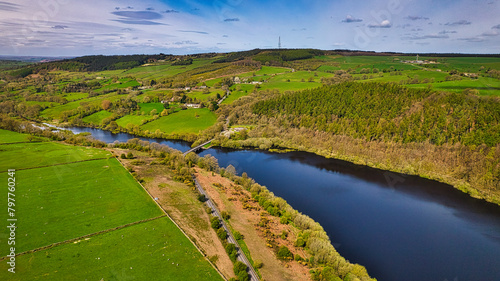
{"x": 58, "y": 164}
{"x": 21, "y": 142}
{"x": 83, "y": 237}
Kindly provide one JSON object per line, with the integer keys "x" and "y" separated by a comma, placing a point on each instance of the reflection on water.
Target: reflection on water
{"x": 109, "y": 137}
{"x": 400, "y": 227}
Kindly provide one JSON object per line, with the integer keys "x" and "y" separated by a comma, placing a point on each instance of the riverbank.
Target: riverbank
{"x": 446, "y": 164}
{"x": 419, "y": 159}
{"x": 345, "y": 198}
{"x": 267, "y": 222}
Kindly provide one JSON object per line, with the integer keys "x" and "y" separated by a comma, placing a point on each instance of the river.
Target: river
{"x": 400, "y": 227}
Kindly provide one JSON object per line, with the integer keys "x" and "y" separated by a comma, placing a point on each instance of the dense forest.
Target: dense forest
{"x": 452, "y": 138}
{"x": 388, "y": 112}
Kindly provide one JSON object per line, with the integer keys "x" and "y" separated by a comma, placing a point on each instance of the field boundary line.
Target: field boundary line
{"x": 59, "y": 164}
{"x": 83, "y": 237}
{"x": 21, "y": 142}
{"x": 182, "y": 230}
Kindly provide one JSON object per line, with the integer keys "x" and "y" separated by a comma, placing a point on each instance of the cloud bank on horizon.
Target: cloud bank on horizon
{"x": 72, "y": 28}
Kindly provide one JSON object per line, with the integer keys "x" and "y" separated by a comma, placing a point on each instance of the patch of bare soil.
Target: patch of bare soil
{"x": 262, "y": 239}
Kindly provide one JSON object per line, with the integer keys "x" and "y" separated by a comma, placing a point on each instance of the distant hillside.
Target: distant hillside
{"x": 276, "y": 57}
{"x": 6, "y": 64}
{"x": 32, "y": 59}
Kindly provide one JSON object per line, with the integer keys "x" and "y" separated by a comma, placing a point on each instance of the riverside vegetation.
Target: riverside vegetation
{"x": 453, "y": 138}
{"x": 323, "y": 261}
{"x": 437, "y": 119}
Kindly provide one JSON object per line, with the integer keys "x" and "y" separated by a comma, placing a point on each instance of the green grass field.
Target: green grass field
{"x": 75, "y": 96}
{"x": 11, "y": 137}
{"x": 55, "y": 112}
{"x": 153, "y": 250}
{"x": 289, "y": 86}
{"x": 132, "y": 119}
{"x": 73, "y": 200}
{"x": 147, "y": 107}
{"x": 238, "y": 92}
{"x": 66, "y": 201}
{"x": 211, "y": 82}
{"x": 485, "y": 86}
{"x": 160, "y": 70}
{"x": 97, "y": 117}
{"x": 269, "y": 70}
{"x": 184, "y": 121}
{"x": 122, "y": 84}
{"x": 40, "y": 154}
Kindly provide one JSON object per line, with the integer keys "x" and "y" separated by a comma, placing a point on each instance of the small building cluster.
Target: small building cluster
{"x": 418, "y": 61}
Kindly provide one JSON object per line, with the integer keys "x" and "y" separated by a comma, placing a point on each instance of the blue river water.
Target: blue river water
{"x": 400, "y": 227}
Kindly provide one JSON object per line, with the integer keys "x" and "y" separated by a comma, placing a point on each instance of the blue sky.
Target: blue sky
{"x": 72, "y": 28}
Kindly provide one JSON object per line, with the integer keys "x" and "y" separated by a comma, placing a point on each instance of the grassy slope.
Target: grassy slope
{"x": 147, "y": 107}
{"x": 203, "y": 97}
{"x": 97, "y": 117}
{"x": 146, "y": 251}
{"x": 132, "y": 119}
{"x": 122, "y": 84}
{"x": 183, "y": 121}
{"x": 75, "y": 96}
{"x": 55, "y": 112}
{"x": 161, "y": 70}
{"x": 238, "y": 92}
{"x": 11, "y": 137}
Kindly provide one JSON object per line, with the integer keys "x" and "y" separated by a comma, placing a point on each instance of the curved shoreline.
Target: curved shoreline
{"x": 456, "y": 184}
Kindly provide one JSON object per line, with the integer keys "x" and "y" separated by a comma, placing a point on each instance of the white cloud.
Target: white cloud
{"x": 383, "y": 24}
{"x": 350, "y": 19}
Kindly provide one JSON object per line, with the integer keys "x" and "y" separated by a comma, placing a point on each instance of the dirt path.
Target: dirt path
{"x": 230, "y": 239}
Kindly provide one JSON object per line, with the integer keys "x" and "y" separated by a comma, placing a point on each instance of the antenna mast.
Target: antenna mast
{"x": 279, "y": 42}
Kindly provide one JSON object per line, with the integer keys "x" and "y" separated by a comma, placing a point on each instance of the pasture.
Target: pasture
{"x": 73, "y": 200}
{"x": 56, "y": 111}
{"x": 97, "y": 198}
{"x": 97, "y": 117}
{"x": 39, "y": 154}
{"x": 200, "y": 96}
{"x": 11, "y": 137}
{"x": 146, "y": 108}
{"x": 150, "y": 250}
{"x": 184, "y": 121}
{"x": 238, "y": 92}
{"x": 75, "y": 96}
{"x": 132, "y": 119}
{"x": 121, "y": 84}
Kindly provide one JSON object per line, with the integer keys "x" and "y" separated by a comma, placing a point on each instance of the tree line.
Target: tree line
{"x": 442, "y": 136}
{"x": 388, "y": 112}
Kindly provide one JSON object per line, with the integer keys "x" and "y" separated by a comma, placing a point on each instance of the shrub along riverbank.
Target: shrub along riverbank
{"x": 325, "y": 263}
{"x": 442, "y": 136}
